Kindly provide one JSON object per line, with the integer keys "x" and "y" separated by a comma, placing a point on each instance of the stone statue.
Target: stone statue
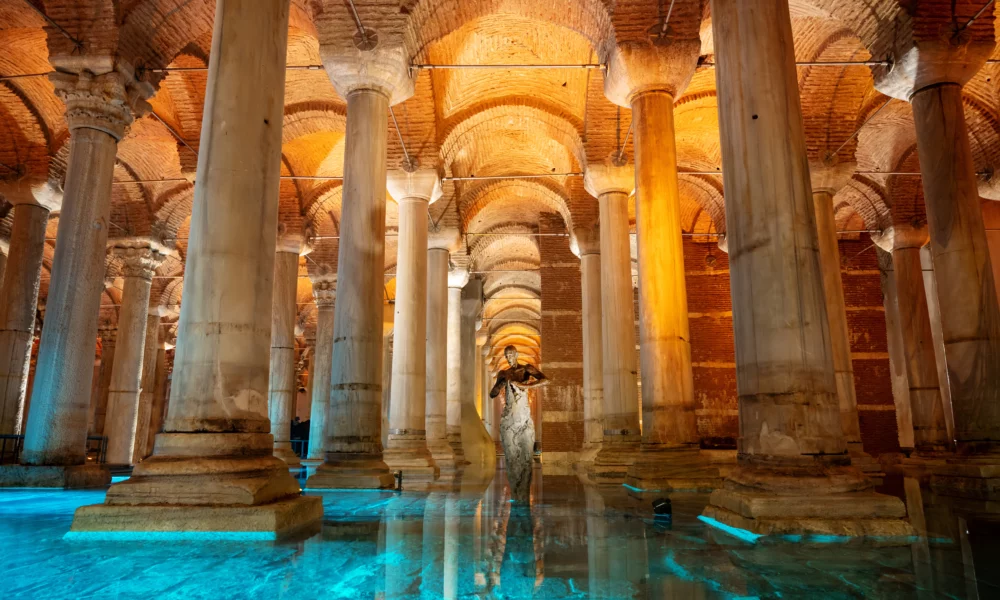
{"x": 517, "y": 432}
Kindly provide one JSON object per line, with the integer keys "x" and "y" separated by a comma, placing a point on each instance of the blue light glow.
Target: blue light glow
{"x": 736, "y": 532}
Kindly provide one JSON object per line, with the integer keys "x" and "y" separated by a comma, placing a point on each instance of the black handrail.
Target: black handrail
{"x": 11, "y": 445}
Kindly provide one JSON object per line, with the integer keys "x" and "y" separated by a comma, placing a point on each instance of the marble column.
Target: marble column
{"x": 587, "y": 244}
{"x": 930, "y": 434}
{"x": 18, "y": 302}
{"x": 99, "y": 109}
{"x": 283, "y": 385}
{"x": 371, "y": 82}
{"x": 477, "y": 445}
{"x": 794, "y": 474}
{"x": 158, "y": 403}
{"x": 457, "y": 279}
{"x": 122, "y": 420}
{"x": 897, "y": 355}
{"x": 99, "y": 399}
{"x": 147, "y": 386}
{"x": 406, "y": 447}
{"x": 611, "y": 184}
{"x": 212, "y": 468}
{"x": 437, "y": 361}
{"x": 325, "y": 295}
{"x": 827, "y": 180}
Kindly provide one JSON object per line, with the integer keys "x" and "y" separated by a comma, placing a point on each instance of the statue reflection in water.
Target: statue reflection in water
{"x": 517, "y": 432}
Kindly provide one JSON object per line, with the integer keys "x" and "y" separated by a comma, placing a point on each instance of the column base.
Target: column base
{"x": 585, "y": 459}
{"x": 973, "y": 477}
{"x": 821, "y": 501}
{"x": 412, "y": 458}
{"x": 920, "y": 465}
{"x": 658, "y": 469}
{"x": 302, "y": 515}
{"x": 444, "y": 458}
{"x": 224, "y": 484}
{"x": 613, "y": 461}
{"x": 455, "y": 441}
{"x": 45, "y": 476}
{"x": 356, "y": 471}
{"x": 283, "y": 450}
{"x": 864, "y": 462}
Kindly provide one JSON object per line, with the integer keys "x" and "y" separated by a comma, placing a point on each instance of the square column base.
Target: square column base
{"x": 415, "y": 463}
{"x": 302, "y": 515}
{"x": 973, "y": 478}
{"x": 284, "y": 452}
{"x": 352, "y": 471}
{"x": 45, "y": 476}
{"x": 854, "y": 514}
{"x": 611, "y": 465}
{"x": 672, "y": 470}
{"x": 444, "y": 458}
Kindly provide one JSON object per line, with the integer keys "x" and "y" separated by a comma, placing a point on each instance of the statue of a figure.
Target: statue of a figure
{"x": 517, "y": 431}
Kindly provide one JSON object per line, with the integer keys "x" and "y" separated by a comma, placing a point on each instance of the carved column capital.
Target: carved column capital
{"x": 138, "y": 261}
{"x": 325, "y": 291}
{"x": 458, "y": 277}
{"x": 109, "y": 102}
{"x": 585, "y": 241}
{"x": 607, "y": 177}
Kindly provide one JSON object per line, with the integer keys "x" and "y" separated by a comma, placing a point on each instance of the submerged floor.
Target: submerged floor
{"x": 573, "y": 542}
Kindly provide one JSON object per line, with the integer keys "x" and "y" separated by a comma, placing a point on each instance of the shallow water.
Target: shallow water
{"x": 573, "y": 542}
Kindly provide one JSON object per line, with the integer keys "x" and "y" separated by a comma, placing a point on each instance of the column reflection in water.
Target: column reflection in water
{"x": 403, "y": 522}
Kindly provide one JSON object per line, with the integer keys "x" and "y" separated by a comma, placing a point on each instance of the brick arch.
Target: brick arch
{"x": 492, "y": 198}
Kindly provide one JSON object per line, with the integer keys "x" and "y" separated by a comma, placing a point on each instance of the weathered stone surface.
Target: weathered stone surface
{"x": 73, "y": 477}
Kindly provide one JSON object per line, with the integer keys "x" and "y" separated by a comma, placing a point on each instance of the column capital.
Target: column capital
{"x": 830, "y": 176}
{"x": 607, "y": 177}
{"x": 458, "y": 277}
{"x": 39, "y": 191}
{"x": 140, "y": 258}
{"x": 989, "y": 184}
{"x": 419, "y": 183}
{"x": 585, "y": 241}
{"x": 108, "y": 102}
{"x": 929, "y": 47}
{"x": 637, "y": 67}
{"x": 107, "y": 332}
{"x": 723, "y": 243}
{"x": 324, "y": 289}
{"x": 385, "y": 68}
{"x": 901, "y": 237}
{"x": 443, "y": 238}
{"x": 292, "y": 243}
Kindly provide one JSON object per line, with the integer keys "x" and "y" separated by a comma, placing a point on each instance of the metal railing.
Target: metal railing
{"x": 300, "y": 447}
{"x": 11, "y": 445}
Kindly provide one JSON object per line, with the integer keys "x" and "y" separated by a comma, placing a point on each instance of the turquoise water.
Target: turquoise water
{"x": 573, "y": 542}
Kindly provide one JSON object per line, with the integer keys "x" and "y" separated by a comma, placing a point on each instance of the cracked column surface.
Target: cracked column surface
{"x": 611, "y": 184}
{"x": 794, "y": 474}
{"x": 371, "y": 81}
{"x": 284, "y": 386}
{"x": 99, "y": 109}
{"x": 212, "y": 468}
{"x": 406, "y": 447}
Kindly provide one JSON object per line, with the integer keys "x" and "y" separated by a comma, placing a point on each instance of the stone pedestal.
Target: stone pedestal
{"x": 611, "y": 184}
{"x": 99, "y": 108}
{"x": 795, "y": 475}
{"x": 406, "y": 447}
{"x": 212, "y": 468}
{"x": 324, "y": 293}
{"x": 44, "y": 476}
{"x": 283, "y": 386}
{"x": 517, "y": 433}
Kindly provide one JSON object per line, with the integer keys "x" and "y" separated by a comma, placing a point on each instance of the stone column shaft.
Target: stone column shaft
{"x": 321, "y": 361}
{"x": 147, "y": 388}
{"x": 18, "y": 303}
{"x": 437, "y": 360}
{"x": 283, "y": 385}
{"x": 454, "y": 368}
{"x": 57, "y": 429}
{"x": 970, "y": 317}
{"x": 122, "y": 420}
{"x": 212, "y": 467}
{"x": 791, "y": 447}
{"x": 406, "y": 448}
{"x": 929, "y": 430}
{"x": 158, "y": 405}
{"x": 664, "y": 336}
{"x": 353, "y": 428}
{"x": 836, "y": 307}
{"x": 621, "y": 402}
{"x": 593, "y": 354}
{"x": 99, "y": 401}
